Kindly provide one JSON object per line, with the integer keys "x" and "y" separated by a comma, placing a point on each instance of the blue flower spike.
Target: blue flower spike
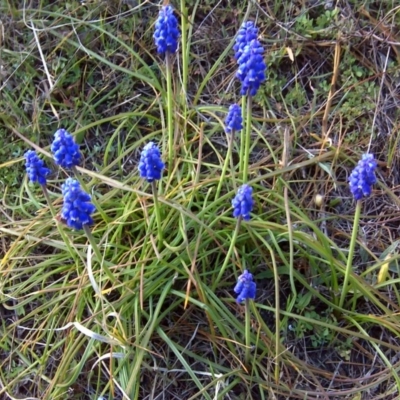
{"x": 243, "y": 202}
{"x": 245, "y": 287}
{"x": 234, "y": 121}
{"x": 150, "y": 164}
{"x": 65, "y": 151}
{"x": 35, "y": 168}
{"x": 363, "y": 177}
{"x": 77, "y": 207}
{"x": 166, "y": 33}
{"x": 247, "y": 32}
{"x": 251, "y": 71}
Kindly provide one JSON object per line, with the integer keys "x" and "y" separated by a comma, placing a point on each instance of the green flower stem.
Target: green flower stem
{"x": 231, "y": 138}
{"x": 158, "y": 211}
{"x": 235, "y": 188}
{"x": 94, "y": 200}
{"x": 352, "y": 246}
{"x": 47, "y": 197}
{"x": 170, "y": 111}
{"x": 230, "y": 251}
{"x": 246, "y": 142}
{"x": 242, "y": 137}
{"x": 96, "y": 250}
{"x": 247, "y": 333}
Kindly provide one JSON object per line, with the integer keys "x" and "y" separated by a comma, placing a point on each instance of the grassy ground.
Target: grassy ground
{"x": 151, "y": 319}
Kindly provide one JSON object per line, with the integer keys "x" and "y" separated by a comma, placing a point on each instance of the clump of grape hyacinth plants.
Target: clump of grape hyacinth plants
{"x": 77, "y": 208}
{"x": 36, "y": 168}
{"x": 65, "y": 150}
{"x": 243, "y": 202}
{"x": 363, "y": 177}
{"x": 245, "y": 287}
{"x": 166, "y": 32}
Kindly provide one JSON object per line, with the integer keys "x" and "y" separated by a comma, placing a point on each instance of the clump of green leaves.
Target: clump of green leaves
{"x": 309, "y": 327}
{"x": 312, "y": 24}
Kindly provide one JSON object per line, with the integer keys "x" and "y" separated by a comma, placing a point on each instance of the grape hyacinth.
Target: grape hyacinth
{"x": 247, "y": 33}
{"x": 35, "y": 168}
{"x": 77, "y": 208}
{"x": 251, "y": 72}
{"x": 243, "y": 202}
{"x": 166, "y": 33}
{"x": 65, "y": 150}
{"x": 245, "y": 287}
{"x": 150, "y": 164}
{"x": 234, "y": 121}
{"x": 363, "y": 177}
